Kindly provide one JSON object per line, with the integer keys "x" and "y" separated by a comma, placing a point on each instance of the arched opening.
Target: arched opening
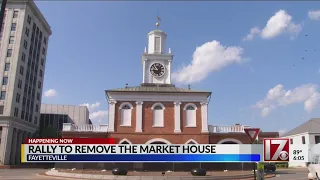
{"x": 125, "y": 114}
{"x": 190, "y": 115}
{"x": 158, "y": 115}
{"x": 191, "y": 141}
{"x": 158, "y": 166}
{"x": 158, "y": 142}
{"x": 125, "y": 141}
{"x": 231, "y": 166}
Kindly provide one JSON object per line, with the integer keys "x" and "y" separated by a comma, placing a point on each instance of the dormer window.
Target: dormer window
{"x": 190, "y": 113}
{"x": 158, "y": 115}
{"x": 125, "y": 114}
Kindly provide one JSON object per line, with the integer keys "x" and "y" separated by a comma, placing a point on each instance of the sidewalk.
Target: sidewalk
{"x": 80, "y": 174}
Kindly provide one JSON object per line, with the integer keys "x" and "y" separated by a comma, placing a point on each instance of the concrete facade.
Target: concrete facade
{"x": 78, "y": 115}
{"x": 23, "y": 50}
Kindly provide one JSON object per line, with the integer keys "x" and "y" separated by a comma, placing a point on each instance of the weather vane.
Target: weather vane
{"x": 158, "y": 23}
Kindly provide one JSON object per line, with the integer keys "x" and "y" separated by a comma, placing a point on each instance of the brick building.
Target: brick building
{"x": 158, "y": 112}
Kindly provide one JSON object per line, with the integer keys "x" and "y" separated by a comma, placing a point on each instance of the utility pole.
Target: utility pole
{"x": 2, "y": 10}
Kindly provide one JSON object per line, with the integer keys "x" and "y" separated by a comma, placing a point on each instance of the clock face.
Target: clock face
{"x": 157, "y": 70}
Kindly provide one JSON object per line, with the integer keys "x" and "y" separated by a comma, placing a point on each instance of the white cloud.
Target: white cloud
{"x": 91, "y": 106}
{"x": 314, "y": 15}
{"x": 210, "y": 57}
{"x": 281, "y": 22}
{"x": 99, "y": 117}
{"x": 253, "y": 32}
{"x": 280, "y": 97}
{"x": 50, "y": 93}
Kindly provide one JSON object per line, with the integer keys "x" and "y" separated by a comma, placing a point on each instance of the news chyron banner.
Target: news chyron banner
{"x": 107, "y": 150}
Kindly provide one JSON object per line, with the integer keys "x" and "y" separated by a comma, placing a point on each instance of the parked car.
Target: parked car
{"x": 314, "y": 166}
{"x": 270, "y": 167}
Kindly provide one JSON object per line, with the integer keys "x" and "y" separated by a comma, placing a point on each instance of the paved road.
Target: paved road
{"x": 21, "y": 174}
{"x": 27, "y": 174}
{"x": 297, "y": 174}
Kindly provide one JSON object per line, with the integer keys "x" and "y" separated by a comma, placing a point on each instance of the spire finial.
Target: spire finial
{"x": 158, "y": 21}
{"x": 145, "y": 49}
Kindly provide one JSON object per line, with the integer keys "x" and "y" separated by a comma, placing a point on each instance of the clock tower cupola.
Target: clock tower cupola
{"x": 156, "y": 61}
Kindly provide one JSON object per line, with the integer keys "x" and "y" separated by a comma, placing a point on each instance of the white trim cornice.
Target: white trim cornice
{"x": 157, "y": 97}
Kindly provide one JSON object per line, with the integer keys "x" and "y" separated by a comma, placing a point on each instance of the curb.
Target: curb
{"x": 57, "y": 174}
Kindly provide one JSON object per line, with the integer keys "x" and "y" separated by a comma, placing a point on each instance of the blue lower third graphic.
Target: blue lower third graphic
{"x": 144, "y": 157}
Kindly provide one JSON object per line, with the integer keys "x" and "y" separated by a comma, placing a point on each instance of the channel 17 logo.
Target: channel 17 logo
{"x": 276, "y": 149}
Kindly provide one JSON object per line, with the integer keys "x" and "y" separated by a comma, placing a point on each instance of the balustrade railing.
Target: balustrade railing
{"x": 68, "y": 127}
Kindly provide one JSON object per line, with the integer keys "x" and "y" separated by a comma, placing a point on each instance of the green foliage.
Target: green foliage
{"x": 257, "y": 142}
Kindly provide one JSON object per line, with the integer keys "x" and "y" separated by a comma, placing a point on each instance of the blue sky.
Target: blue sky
{"x": 98, "y": 45}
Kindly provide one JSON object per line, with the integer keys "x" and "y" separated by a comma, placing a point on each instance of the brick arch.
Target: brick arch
{"x": 191, "y": 141}
{"x": 158, "y": 140}
{"x": 229, "y": 140}
{"x": 125, "y": 140}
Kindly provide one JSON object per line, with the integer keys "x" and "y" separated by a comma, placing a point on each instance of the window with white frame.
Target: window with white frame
{"x": 158, "y": 115}
{"x": 125, "y": 114}
{"x": 190, "y": 112}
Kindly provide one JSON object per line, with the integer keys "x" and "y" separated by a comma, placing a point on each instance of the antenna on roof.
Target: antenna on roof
{"x": 189, "y": 86}
{"x": 127, "y": 85}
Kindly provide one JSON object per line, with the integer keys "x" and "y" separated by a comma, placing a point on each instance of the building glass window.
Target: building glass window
{"x": 29, "y": 20}
{"x": 18, "y": 98}
{"x": 317, "y": 139}
{"x": 5, "y": 81}
{"x": 39, "y": 84}
{"x": 16, "y": 112}
{"x": 21, "y": 70}
{"x": 35, "y": 120}
{"x": 291, "y": 141}
{"x": 190, "y": 113}
{"x": 24, "y": 101}
{"x": 23, "y": 57}
{"x": 13, "y": 26}
{"x": 25, "y": 44}
{"x": 15, "y": 14}
{"x": 11, "y": 39}
{"x": 45, "y": 40}
{"x": 9, "y": 53}
{"x": 38, "y": 96}
{"x": 19, "y": 84}
{"x": 126, "y": 113}
{"x": 27, "y": 32}
{"x": 37, "y": 108}
{"x": 43, "y": 51}
{"x": 22, "y": 115}
{"x": 3, "y": 95}
{"x": 158, "y": 115}
{"x": 1, "y": 109}
{"x": 42, "y": 61}
{"x": 7, "y": 67}
{"x": 40, "y": 73}
{"x": 303, "y": 140}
